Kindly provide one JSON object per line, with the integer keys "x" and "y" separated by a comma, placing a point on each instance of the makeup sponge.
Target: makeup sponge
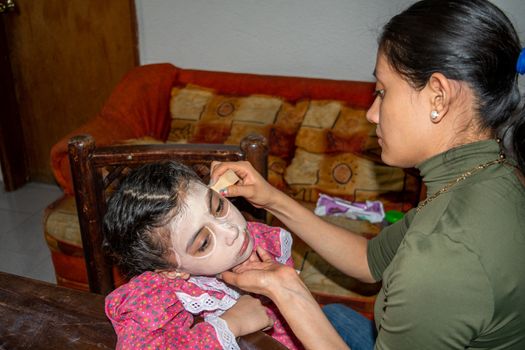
{"x": 227, "y": 179}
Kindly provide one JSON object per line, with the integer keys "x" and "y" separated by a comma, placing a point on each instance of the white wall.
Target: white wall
{"x": 515, "y": 10}
{"x": 329, "y": 39}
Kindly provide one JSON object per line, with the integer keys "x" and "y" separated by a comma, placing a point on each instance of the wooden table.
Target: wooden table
{"x": 40, "y": 315}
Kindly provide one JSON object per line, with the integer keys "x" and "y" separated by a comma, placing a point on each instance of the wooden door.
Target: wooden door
{"x": 65, "y": 58}
{"x": 12, "y": 149}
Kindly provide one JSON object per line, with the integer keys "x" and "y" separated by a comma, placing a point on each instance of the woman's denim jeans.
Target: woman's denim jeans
{"x": 356, "y": 330}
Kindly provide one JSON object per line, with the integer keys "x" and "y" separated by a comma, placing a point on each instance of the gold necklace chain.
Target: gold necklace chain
{"x": 462, "y": 177}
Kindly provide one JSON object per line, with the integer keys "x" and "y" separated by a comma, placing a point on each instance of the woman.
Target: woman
{"x": 453, "y": 270}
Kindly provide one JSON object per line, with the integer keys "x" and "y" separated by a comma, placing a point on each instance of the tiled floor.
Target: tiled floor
{"x": 23, "y": 250}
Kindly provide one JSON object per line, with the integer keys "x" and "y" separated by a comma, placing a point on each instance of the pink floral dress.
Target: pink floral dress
{"x": 155, "y": 312}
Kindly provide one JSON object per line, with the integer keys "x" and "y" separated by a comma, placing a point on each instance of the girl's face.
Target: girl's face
{"x": 402, "y": 115}
{"x": 209, "y": 236}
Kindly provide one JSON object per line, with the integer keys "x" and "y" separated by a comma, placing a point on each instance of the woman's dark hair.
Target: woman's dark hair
{"x": 465, "y": 40}
{"x": 145, "y": 201}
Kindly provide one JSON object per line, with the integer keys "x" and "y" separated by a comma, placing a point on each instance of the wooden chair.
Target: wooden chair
{"x": 96, "y": 171}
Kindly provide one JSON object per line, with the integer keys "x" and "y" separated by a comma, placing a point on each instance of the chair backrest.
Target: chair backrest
{"x": 96, "y": 171}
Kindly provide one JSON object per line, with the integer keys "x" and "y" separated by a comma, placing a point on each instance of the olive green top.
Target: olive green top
{"x": 454, "y": 273}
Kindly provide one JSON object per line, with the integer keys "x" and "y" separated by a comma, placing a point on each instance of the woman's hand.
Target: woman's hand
{"x": 248, "y": 315}
{"x": 252, "y": 258}
{"x": 283, "y": 286}
{"x": 261, "y": 276}
{"x": 251, "y": 186}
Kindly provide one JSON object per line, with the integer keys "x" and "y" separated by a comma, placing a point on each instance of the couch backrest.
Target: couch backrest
{"x": 355, "y": 93}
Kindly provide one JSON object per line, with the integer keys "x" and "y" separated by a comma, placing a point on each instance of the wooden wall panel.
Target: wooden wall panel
{"x": 66, "y": 57}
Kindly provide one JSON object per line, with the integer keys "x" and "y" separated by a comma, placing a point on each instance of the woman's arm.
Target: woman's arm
{"x": 343, "y": 249}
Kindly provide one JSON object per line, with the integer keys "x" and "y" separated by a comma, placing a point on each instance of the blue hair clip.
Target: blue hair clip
{"x": 520, "y": 65}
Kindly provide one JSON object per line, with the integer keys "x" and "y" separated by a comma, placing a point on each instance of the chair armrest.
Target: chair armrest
{"x": 137, "y": 107}
{"x": 259, "y": 341}
{"x": 254, "y": 341}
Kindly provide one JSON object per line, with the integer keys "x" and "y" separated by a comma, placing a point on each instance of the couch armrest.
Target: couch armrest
{"x": 139, "y": 106}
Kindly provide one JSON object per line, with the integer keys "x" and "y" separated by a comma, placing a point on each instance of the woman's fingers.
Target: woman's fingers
{"x": 255, "y": 276}
{"x": 250, "y": 280}
{"x": 262, "y": 261}
{"x": 253, "y": 258}
{"x": 266, "y": 279}
{"x": 251, "y": 185}
{"x": 243, "y": 169}
{"x": 229, "y": 277}
{"x": 246, "y": 191}
{"x": 263, "y": 254}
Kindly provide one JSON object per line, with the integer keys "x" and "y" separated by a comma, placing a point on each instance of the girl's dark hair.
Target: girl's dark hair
{"x": 465, "y": 40}
{"x": 145, "y": 201}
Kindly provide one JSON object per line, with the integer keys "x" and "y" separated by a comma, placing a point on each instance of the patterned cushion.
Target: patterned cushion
{"x": 61, "y": 222}
{"x": 186, "y": 108}
{"x": 200, "y": 115}
{"x": 343, "y": 175}
{"x": 330, "y": 126}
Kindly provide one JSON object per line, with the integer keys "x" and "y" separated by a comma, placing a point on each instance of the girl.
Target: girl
{"x": 173, "y": 234}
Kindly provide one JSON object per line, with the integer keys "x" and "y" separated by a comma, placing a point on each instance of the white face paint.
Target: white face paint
{"x": 209, "y": 236}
